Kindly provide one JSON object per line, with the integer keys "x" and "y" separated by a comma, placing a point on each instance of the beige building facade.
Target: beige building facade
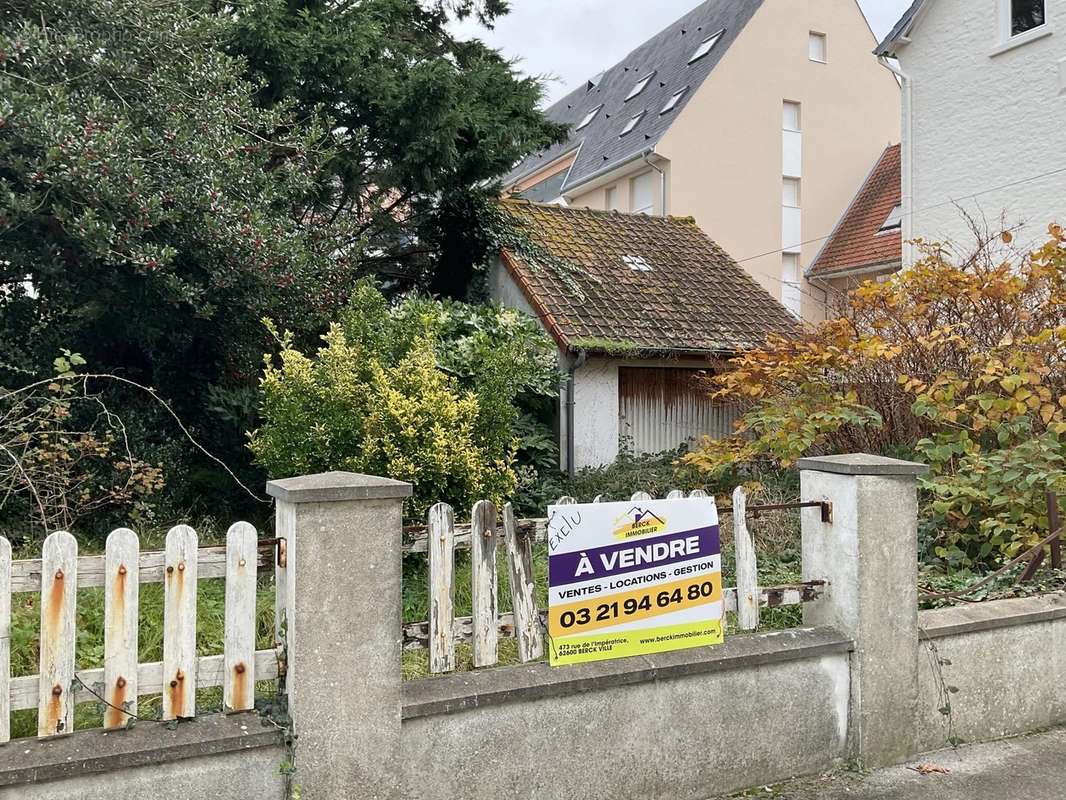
{"x": 764, "y": 147}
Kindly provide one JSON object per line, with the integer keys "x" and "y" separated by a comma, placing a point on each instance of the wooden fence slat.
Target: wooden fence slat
{"x": 675, "y": 494}
{"x": 210, "y": 673}
{"x": 26, "y": 574}
{"x": 640, "y": 496}
{"x": 416, "y": 537}
{"x": 121, "y": 597}
{"x": 55, "y": 706}
{"x": 441, "y": 556}
{"x": 483, "y": 582}
{"x": 5, "y": 640}
{"x": 238, "y": 688}
{"x": 697, "y": 493}
{"x": 747, "y": 566}
{"x": 523, "y": 603}
{"x": 179, "y": 624}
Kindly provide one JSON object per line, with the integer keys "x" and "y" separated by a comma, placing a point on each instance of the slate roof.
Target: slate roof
{"x": 667, "y": 54}
{"x": 888, "y": 45}
{"x": 857, "y": 242}
{"x": 695, "y": 299}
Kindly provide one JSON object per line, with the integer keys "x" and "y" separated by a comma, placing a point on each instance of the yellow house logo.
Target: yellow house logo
{"x": 638, "y": 522}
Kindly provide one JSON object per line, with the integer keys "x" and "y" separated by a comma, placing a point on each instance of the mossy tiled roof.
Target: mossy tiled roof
{"x": 648, "y": 284}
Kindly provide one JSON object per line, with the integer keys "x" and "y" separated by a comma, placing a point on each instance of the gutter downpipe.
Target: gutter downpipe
{"x": 662, "y": 180}
{"x": 908, "y": 156}
{"x": 576, "y": 357}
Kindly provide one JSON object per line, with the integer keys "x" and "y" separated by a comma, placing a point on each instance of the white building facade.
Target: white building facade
{"x": 984, "y": 119}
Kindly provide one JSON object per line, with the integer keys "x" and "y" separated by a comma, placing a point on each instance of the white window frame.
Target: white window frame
{"x": 789, "y": 181}
{"x": 589, "y": 117}
{"x": 823, "y": 40}
{"x": 671, "y": 104}
{"x": 610, "y": 198}
{"x": 639, "y": 87}
{"x": 799, "y": 116}
{"x": 632, "y": 123}
{"x": 792, "y": 290}
{"x": 706, "y": 46}
{"x": 1006, "y": 40}
{"x": 648, "y": 209}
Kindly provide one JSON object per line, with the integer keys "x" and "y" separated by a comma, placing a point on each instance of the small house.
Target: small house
{"x": 641, "y": 309}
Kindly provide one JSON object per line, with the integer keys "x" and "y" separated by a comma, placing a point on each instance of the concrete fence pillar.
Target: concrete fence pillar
{"x": 343, "y": 614}
{"x": 869, "y": 555}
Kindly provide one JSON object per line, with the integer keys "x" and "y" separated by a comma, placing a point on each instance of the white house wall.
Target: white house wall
{"x": 595, "y": 414}
{"x": 986, "y": 122}
{"x": 505, "y": 291}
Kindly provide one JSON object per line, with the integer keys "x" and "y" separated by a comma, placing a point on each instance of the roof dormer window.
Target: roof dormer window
{"x": 706, "y": 46}
{"x": 641, "y": 85}
{"x": 894, "y": 221}
{"x": 634, "y": 120}
{"x": 589, "y": 117}
{"x": 671, "y": 104}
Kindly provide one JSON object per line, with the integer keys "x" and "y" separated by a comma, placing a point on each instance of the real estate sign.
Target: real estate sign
{"x": 632, "y": 578}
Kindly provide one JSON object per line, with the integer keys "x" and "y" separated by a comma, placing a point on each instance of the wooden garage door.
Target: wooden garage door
{"x": 660, "y": 408}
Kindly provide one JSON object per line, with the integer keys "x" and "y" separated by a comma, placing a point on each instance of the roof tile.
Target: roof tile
{"x": 694, "y": 300}
{"x": 858, "y": 241}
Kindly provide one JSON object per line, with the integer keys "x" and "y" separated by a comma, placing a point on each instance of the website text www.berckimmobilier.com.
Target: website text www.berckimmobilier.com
{"x": 672, "y": 636}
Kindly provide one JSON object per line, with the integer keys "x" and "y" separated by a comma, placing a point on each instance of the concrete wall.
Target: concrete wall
{"x": 984, "y": 117}
{"x": 225, "y": 757}
{"x": 637, "y": 728}
{"x": 1008, "y": 662}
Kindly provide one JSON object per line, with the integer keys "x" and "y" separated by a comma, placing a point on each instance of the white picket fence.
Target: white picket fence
{"x": 441, "y": 537}
{"x": 60, "y": 572}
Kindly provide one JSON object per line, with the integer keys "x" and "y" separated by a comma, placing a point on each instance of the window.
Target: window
{"x": 632, "y": 123}
{"x": 642, "y": 84}
{"x": 589, "y": 117}
{"x": 671, "y": 104}
{"x": 816, "y": 49}
{"x": 790, "y": 194}
{"x": 642, "y": 194}
{"x": 792, "y": 116}
{"x": 894, "y": 221}
{"x": 1025, "y": 15}
{"x": 791, "y": 294}
{"x": 706, "y": 46}
{"x": 636, "y": 263}
{"x": 610, "y": 198}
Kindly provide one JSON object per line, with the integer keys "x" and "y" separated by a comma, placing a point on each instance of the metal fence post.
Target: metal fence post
{"x": 343, "y": 618}
{"x": 868, "y": 553}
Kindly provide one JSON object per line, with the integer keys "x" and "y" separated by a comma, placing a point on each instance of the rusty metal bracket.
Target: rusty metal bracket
{"x": 825, "y": 506}
{"x": 281, "y": 550}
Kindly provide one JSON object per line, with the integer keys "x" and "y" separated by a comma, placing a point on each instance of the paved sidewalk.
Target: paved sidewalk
{"x": 1030, "y": 767}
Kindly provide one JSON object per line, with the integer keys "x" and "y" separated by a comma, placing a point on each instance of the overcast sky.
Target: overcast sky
{"x": 572, "y": 40}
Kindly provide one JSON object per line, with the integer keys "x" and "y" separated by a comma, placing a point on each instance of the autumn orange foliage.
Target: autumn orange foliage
{"x": 962, "y": 365}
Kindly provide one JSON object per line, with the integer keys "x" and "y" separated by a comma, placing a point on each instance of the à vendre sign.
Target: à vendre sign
{"x": 632, "y": 578}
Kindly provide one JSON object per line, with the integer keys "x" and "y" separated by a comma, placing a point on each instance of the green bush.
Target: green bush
{"x": 425, "y": 391}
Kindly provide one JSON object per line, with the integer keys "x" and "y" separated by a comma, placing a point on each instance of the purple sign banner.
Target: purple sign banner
{"x": 632, "y": 555}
